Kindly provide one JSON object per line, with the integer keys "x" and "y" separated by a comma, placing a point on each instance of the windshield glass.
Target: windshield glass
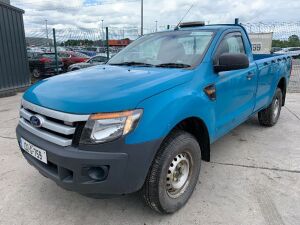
{"x": 169, "y": 49}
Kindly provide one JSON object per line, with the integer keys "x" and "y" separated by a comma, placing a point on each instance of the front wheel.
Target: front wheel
{"x": 174, "y": 173}
{"x": 269, "y": 116}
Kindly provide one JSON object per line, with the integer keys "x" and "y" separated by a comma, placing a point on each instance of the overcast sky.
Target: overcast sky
{"x": 89, "y": 13}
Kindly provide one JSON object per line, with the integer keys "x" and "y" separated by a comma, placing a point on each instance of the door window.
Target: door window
{"x": 231, "y": 43}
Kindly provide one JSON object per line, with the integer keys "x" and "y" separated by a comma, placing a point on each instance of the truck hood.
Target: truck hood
{"x": 104, "y": 88}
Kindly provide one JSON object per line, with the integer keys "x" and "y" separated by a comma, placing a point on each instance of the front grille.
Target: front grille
{"x": 56, "y": 127}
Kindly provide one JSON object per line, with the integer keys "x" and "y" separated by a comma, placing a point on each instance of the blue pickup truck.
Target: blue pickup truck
{"x": 146, "y": 119}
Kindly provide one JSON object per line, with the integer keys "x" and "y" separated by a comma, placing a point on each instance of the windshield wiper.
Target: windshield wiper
{"x": 173, "y": 65}
{"x": 132, "y": 63}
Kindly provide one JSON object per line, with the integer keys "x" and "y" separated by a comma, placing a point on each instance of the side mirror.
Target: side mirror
{"x": 231, "y": 61}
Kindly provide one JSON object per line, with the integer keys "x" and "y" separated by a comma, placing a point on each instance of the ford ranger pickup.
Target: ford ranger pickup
{"x": 144, "y": 120}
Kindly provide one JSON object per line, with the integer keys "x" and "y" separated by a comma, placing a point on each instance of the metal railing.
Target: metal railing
{"x": 109, "y": 41}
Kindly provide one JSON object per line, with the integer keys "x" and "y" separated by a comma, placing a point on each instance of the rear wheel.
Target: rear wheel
{"x": 36, "y": 73}
{"x": 74, "y": 69}
{"x": 174, "y": 174}
{"x": 269, "y": 116}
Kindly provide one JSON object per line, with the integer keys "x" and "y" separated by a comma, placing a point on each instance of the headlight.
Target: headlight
{"x": 105, "y": 127}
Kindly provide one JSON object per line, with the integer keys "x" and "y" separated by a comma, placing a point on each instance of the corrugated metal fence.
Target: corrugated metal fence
{"x": 13, "y": 58}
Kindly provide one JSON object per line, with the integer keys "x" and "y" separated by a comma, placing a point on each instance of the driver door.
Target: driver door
{"x": 235, "y": 89}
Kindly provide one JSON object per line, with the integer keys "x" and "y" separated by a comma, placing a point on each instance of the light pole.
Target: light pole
{"x": 155, "y": 25}
{"x": 47, "y": 35}
{"x": 142, "y": 17}
{"x": 102, "y": 29}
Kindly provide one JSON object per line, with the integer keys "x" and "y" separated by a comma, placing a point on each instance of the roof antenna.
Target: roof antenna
{"x": 236, "y": 21}
{"x": 177, "y": 26}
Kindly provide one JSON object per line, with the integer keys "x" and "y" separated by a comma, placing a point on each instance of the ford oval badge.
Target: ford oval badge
{"x": 35, "y": 121}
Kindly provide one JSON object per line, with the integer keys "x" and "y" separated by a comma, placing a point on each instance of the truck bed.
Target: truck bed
{"x": 266, "y": 56}
{"x": 269, "y": 66}
{"x": 279, "y": 62}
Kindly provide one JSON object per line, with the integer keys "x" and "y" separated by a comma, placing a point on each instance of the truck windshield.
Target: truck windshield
{"x": 178, "y": 49}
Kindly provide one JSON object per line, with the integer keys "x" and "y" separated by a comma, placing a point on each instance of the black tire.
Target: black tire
{"x": 36, "y": 73}
{"x": 74, "y": 69}
{"x": 158, "y": 193}
{"x": 268, "y": 117}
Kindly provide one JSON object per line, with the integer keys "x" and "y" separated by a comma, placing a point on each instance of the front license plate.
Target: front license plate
{"x": 34, "y": 151}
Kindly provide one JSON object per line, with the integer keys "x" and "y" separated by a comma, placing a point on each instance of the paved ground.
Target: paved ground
{"x": 254, "y": 178}
{"x": 294, "y": 85}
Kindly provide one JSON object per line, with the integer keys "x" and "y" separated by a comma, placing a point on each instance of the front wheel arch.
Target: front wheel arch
{"x": 196, "y": 127}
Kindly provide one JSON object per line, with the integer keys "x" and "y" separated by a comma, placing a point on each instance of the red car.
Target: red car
{"x": 43, "y": 64}
{"x": 69, "y": 58}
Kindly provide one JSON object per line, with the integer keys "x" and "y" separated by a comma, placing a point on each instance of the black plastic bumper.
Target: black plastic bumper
{"x": 127, "y": 165}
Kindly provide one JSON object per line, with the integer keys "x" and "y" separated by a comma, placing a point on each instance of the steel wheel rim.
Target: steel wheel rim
{"x": 178, "y": 175}
{"x": 36, "y": 73}
{"x": 276, "y": 108}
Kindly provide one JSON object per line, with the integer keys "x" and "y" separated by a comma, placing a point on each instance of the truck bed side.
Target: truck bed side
{"x": 271, "y": 69}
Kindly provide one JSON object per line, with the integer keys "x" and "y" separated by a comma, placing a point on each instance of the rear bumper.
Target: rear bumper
{"x": 127, "y": 165}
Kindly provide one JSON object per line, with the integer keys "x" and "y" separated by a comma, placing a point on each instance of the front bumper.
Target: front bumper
{"x": 67, "y": 166}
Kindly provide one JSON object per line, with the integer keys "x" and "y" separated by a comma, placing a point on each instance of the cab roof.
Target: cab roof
{"x": 212, "y": 27}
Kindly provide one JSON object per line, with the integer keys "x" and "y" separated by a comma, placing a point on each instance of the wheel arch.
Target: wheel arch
{"x": 198, "y": 129}
{"x": 282, "y": 85}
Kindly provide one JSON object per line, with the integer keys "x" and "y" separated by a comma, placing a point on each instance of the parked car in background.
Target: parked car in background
{"x": 95, "y": 49}
{"x": 74, "y": 48}
{"x": 34, "y": 51}
{"x": 275, "y": 49}
{"x": 43, "y": 64}
{"x": 291, "y": 51}
{"x": 96, "y": 60}
{"x": 69, "y": 58}
{"x": 92, "y": 51}
{"x": 87, "y": 52}
{"x": 61, "y": 49}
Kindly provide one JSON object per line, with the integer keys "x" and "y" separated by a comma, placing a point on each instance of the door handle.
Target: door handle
{"x": 250, "y": 75}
